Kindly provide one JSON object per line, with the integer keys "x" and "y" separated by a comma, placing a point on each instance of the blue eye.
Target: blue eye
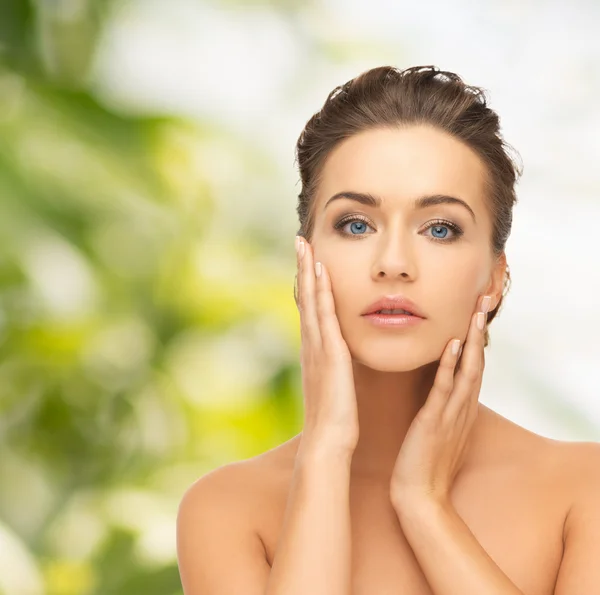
{"x": 438, "y": 225}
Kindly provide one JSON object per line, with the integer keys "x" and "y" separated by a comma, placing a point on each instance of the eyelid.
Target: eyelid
{"x": 343, "y": 219}
{"x": 438, "y": 208}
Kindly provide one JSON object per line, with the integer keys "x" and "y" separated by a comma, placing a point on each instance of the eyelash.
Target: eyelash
{"x": 458, "y": 232}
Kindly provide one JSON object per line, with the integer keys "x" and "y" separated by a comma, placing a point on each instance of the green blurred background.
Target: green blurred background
{"x": 148, "y": 331}
{"x": 125, "y": 317}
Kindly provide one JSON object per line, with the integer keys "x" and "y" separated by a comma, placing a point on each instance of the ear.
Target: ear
{"x": 495, "y": 286}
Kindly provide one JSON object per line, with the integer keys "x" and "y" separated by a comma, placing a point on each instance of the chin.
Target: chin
{"x": 390, "y": 367}
{"x": 385, "y": 361}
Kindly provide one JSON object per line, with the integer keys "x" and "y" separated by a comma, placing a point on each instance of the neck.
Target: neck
{"x": 387, "y": 404}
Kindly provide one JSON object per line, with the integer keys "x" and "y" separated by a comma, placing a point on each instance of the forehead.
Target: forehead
{"x": 404, "y": 163}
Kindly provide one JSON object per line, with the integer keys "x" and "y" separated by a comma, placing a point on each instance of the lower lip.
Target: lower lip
{"x": 393, "y": 320}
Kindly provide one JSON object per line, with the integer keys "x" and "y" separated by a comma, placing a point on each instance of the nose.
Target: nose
{"x": 394, "y": 260}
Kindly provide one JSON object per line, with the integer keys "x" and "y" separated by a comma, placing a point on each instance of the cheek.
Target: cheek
{"x": 341, "y": 266}
{"x": 348, "y": 298}
{"x": 343, "y": 286}
{"x": 461, "y": 274}
{"x": 459, "y": 290}
{"x": 464, "y": 280}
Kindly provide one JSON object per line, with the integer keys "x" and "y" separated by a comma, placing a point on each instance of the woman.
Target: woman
{"x": 401, "y": 481}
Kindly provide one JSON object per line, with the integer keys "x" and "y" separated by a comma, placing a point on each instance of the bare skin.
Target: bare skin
{"x": 515, "y": 488}
{"x": 394, "y": 249}
{"x": 512, "y": 495}
{"x": 508, "y": 491}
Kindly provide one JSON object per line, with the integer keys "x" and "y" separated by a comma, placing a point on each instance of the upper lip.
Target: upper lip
{"x": 394, "y": 302}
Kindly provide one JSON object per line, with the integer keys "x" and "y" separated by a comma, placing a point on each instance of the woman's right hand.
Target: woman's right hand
{"x": 330, "y": 409}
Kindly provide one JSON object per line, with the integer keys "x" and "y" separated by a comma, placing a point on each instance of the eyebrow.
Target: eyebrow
{"x": 420, "y": 203}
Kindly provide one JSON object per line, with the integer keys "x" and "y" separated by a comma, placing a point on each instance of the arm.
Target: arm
{"x": 432, "y": 453}
{"x": 451, "y": 558}
{"x": 313, "y": 553}
{"x": 454, "y": 561}
{"x": 219, "y": 551}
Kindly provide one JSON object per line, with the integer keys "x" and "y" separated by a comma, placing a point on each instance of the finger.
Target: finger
{"x": 473, "y": 406}
{"x": 468, "y": 377}
{"x": 309, "y": 322}
{"x": 331, "y": 334}
{"x": 443, "y": 383}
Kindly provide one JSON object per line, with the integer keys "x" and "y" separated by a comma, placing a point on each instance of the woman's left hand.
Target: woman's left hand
{"x": 434, "y": 447}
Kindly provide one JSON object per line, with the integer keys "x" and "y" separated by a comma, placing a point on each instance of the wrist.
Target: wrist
{"x": 415, "y": 504}
{"x": 315, "y": 449}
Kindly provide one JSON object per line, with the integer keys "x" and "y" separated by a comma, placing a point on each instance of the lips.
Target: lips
{"x": 394, "y": 302}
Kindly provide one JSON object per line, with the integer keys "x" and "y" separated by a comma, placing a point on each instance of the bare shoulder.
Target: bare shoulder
{"x": 579, "y": 571}
{"x": 573, "y": 471}
{"x": 576, "y": 463}
{"x": 580, "y": 463}
{"x": 218, "y": 548}
{"x": 563, "y": 468}
{"x": 562, "y": 488}
{"x": 238, "y": 489}
{"x": 210, "y": 500}
{"x": 578, "y": 455}
{"x": 220, "y": 488}
{"x": 503, "y": 442}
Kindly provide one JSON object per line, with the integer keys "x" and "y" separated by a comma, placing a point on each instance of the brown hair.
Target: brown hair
{"x": 388, "y": 97}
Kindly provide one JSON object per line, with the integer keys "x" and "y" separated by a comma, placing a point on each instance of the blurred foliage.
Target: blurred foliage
{"x": 117, "y": 327}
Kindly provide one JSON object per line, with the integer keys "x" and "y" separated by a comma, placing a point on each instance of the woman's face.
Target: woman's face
{"x": 399, "y": 249}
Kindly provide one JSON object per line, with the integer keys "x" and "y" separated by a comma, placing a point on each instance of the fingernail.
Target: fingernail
{"x": 455, "y": 346}
{"x": 485, "y": 304}
{"x": 318, "y": 269}
{"x": 301, "y": 248}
